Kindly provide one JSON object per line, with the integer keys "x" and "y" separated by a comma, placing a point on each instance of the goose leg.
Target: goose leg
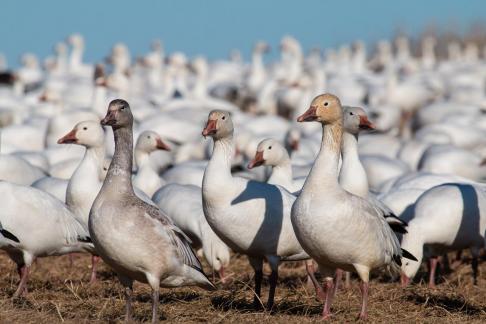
{"x": 363, "y": 315}
{"x": 474, "y": 264}
{"x": 433, "y": 267}
{"x": 274, "y": 263}
{"x": 94, "y": 262}
{"x": 329, "y": 291}
{"x": 128, "y": 284}
{"x": 257, "y": 265}
{"x": 364, "y": 274}
{"x": 338, "y": 280}
{"x": 155, "y": 305}
{"x": 309, "y": 266}
{"x": 23, "y": 271}
{"x": 347, "y": 280}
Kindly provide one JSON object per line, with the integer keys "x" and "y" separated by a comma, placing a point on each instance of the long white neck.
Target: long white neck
{"x": 218, "y": 170}
{"x": 85, "y": 182}
{"x": 200, "y": 87}
{"x": 99, "y": 100}
{"x": 142, "y": 158}
{"x": 282, "y": 175}
{"x": 76, "y": 58}
{"x": 352, "y": 176}
{"x": 324, "y": 172}
{"x": 257, "y": 61}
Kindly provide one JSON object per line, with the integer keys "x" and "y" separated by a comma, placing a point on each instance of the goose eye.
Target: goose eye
{"x": 148, "y": 136}
{"x": 269, "y": 147}
{"x": 85, "y": 128}
{"x": 122, "y": 108}
{"x": 351, "y": 114}
{"x": 326, "y": 103}
{"x": 223, "y": 118}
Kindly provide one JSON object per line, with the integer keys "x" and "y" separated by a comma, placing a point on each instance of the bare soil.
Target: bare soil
{"x": 61, "y": 293}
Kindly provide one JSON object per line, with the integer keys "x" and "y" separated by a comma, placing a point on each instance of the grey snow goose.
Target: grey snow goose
{"x": 135, "y": 238}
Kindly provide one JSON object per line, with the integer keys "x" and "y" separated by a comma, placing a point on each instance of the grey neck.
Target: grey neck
{"x": 119, "y": 177}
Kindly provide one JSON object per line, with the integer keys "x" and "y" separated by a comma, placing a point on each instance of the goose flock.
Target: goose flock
{"x": 344, "y": 162}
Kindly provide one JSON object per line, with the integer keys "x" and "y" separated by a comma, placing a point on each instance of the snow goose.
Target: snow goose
{"x": 35, "y": 224}
{"x": 147, "y": 179}
{"x": 352, "y": 175}
{"x": 17, "y": 170}
{"x": 271, "y": 152}
{"x": 133, "y": 237}
{"x": 251, "y": 217}
{"x": 55, "y": 186}
{"x": 85, "y": 183}
{"x": 449, "y": 159}
{"x": 460, "y": 209}
{"x": 329, "y": 220}
{"x": 190, "y": 218}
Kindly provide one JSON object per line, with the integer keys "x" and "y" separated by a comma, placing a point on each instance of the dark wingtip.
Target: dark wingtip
{"x": 85, "y": 239}
{"x": 397, "y": 259}
{"x": 398, "y": 228}
{"x": 408, "y": 255}
{"x": 9, "y": 235}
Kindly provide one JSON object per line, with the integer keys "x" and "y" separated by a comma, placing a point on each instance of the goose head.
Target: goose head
{"x": 76, "y": 40}
{"x": 269, "y": 152}
{"x": 118, "y": 115}
{"x": 325, "y": 108}
{"x": 87, "y": 133}
{"x": 149, "y": 142}
{"x": 356, "y": 120}
{"x": 219, "y": 125}
{"x": 261, "y": 48}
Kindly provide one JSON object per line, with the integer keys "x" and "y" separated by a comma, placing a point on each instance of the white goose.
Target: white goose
{"x": 34, "y": 224}
{"x": 352, "y": 175}
{"x": 135, "y": 238}
{"x": 329, "y": 221}
{"x": 251, "y": 217}
{"x": 147, "y": 179}
{"x": 449, "y": 217}
{"x": 87, "y": 179}
{"x": 271, "y": 152}
{"x": 190, "y": 218}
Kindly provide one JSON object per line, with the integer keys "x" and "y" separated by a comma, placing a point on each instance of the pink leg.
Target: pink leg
{"x": 329, "y": 289}
{"x": 71, "y": 259}
{"x": 433, "y": 267}
{"x": 347, "y": 280}
{"x": 221, "y": 275}
{"x": 309, "y": 266}
{"x": 24, "y": 276}
{"x": 338, "y": 280}
{"x": 363, "y": 315}
{"x": 94, "y": 262}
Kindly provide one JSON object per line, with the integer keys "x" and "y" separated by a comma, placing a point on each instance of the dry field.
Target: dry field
{"x": 60, "y": 293}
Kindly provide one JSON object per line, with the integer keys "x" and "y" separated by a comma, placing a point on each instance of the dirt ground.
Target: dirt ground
{"x": 61, "y": 293}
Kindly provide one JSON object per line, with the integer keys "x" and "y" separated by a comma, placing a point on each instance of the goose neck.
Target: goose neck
{"x": 220, "y": 162}
{"x": 282, "y": 174}
{"x": 119, "y": 176}
{"x": 324, "y": 172}
{"x": 352, "y": 176}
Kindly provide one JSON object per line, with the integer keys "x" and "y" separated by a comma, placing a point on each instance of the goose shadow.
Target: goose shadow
{"x": 451, "y": 304}
{"x": 169, "y": 298}
{"x": 232, "y": 303}
{"x": 268, "y": 233}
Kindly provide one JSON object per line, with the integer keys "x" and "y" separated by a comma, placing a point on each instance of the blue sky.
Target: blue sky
{"x": 213, "y": 28}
